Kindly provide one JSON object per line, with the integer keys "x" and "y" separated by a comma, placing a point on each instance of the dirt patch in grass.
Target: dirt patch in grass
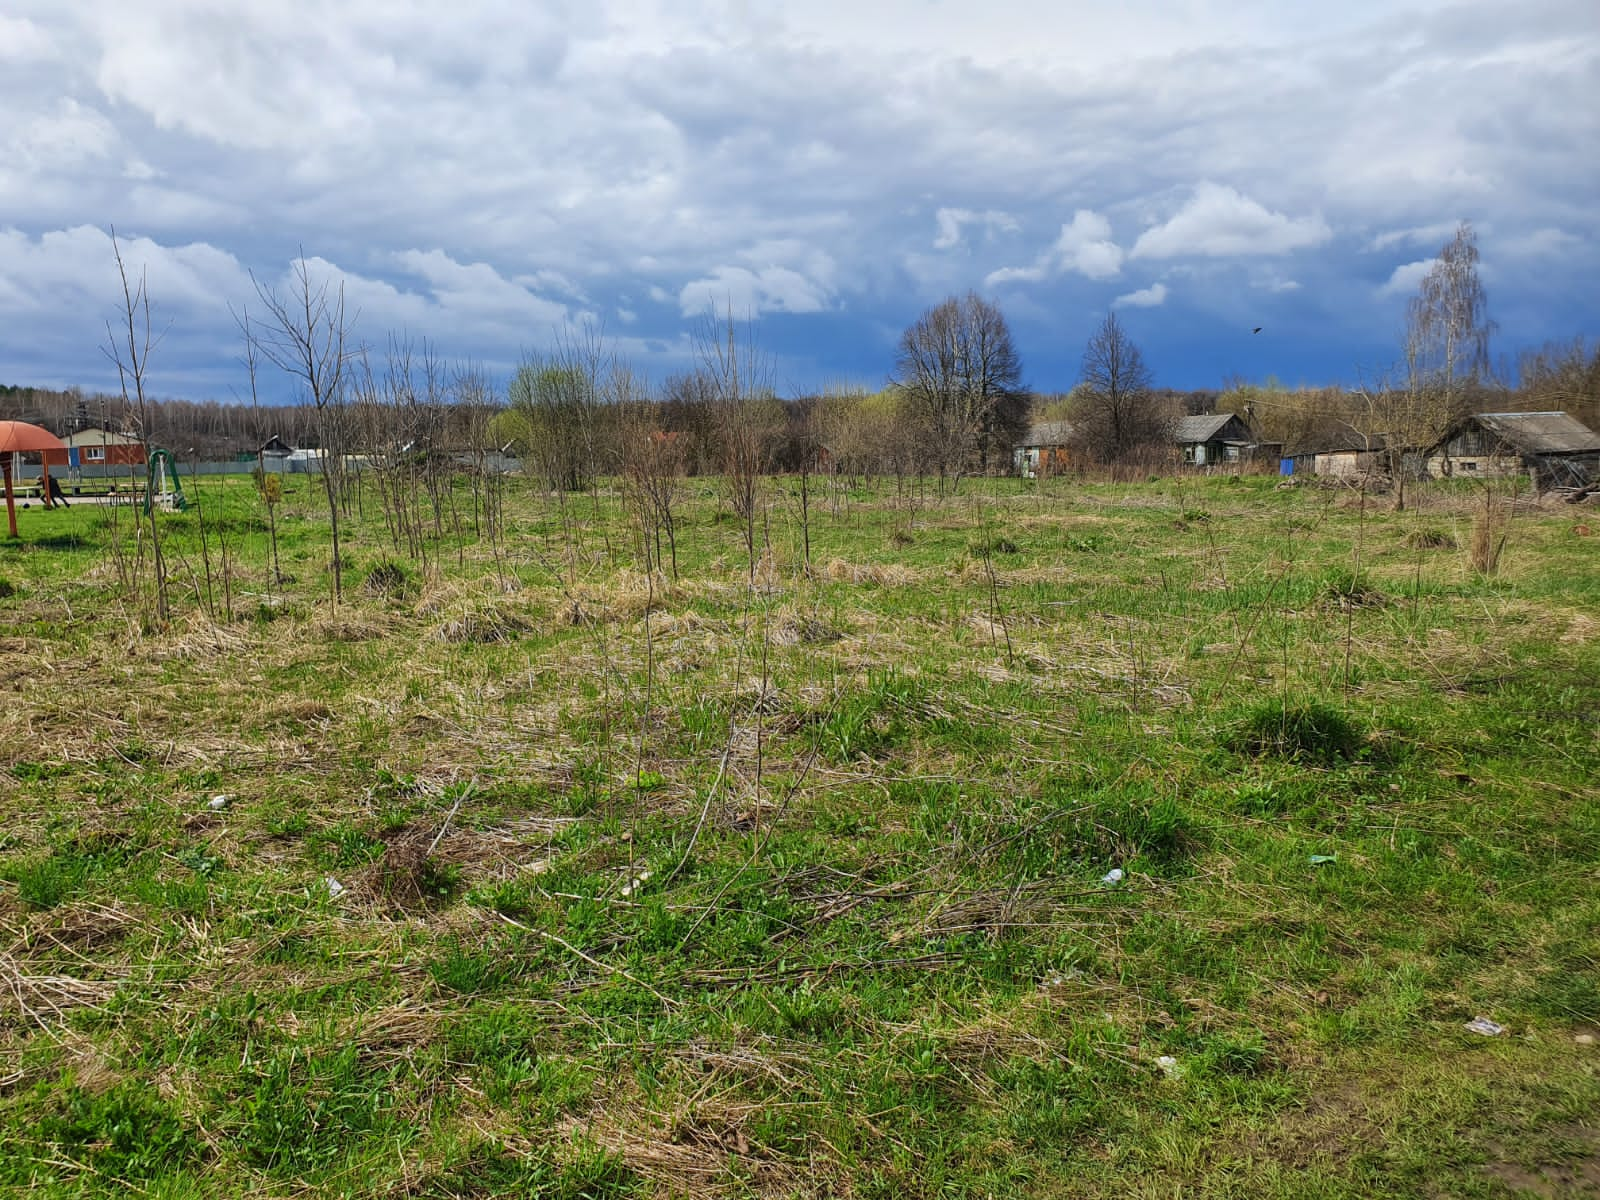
{"x": 1334, "y": 1125}
{"x": 1566, "y": 1178}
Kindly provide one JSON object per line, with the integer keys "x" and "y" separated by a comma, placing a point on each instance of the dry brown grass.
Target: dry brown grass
{"x": 37, "y": 995}
{"x": 482, "y": 625}
{"x": 701, "y": 1147}
{"x": 349, "y": 625}
{"x": 880, "y": 574}
{"x": 1488, "y": 536}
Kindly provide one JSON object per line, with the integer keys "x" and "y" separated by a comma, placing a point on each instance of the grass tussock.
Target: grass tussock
{"x": 1489, "y": 532}
{"x": 624, "y": 597}
{"x": 1349, "y": 589}
{"x": 348, "y": 625}
{"x": 484, "y": 624}
{"x": 391, "y": 581}
{"x": 1309, "y": 731}
{"x": 795, "y": 628}
{"x": 1430, "y": 539}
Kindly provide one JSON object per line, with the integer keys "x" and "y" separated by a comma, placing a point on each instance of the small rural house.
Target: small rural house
{"x": 276, "y": 455}
{"x": 1211, "y": 438}
{"x": 1347, "y": 458}
{"x": 275, "y": 448}
{"x": 97, "y": 448}
{"x": 1045, "y": 451}
{"x": 1554, "y": 448}
{"x": 1218, "y": 439}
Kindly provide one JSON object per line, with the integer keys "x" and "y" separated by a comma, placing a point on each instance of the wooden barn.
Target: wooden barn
{"x": 1554, "y": 448}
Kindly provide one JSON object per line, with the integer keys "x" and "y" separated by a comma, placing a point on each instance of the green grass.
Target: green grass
{"x": 689, "y": 887}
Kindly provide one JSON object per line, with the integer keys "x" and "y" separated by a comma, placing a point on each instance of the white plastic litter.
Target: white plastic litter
{"x": 1113, "y": 877}
{"x": 1058, "y": 978}
{"x": 1170, "y": 1067}
{"x": 1485, "y": 1026}
{"x": 219, "y": 802}
{"x": 335, "y": 888}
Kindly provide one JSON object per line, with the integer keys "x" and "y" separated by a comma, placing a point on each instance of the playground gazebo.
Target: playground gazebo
{"x": 16, "y": 438}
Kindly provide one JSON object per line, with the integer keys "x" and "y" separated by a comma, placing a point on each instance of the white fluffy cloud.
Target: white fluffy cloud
{"x": 777, "y": 275}
{"x": 1221, "y": 222}
{"x": 73, "y": 268}
{"x": 1405, "y": 278}
{"x": 1151, "y": 297}
{"x": 1085, "y": 247}
{"x": 22, "y": 41}
{"x": 744, "y": 292}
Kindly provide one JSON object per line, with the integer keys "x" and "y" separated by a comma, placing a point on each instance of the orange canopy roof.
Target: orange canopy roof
{"x": 19, "y": 435}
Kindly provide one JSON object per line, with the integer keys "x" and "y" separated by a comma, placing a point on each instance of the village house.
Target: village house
{"x": 97, "y": 448}
{"x": 1217, "y": 439}
{"x": 1554, "y": 448}
{"x": 1045, "y": 451}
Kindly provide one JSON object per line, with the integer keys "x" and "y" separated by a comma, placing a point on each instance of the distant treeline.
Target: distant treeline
{"x": 1559, "y": 376}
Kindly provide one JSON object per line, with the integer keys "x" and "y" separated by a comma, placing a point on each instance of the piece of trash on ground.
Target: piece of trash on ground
{"x": 1113, "y": 877}
{"x": 1170, "y": 1067}
{"x": 219, "y": 802}
{"x": 1058, "y": 978}
{"x": 335, "y": 888}
{"x": 1485, "y": 1026}
{"x": 1318, "y": 860}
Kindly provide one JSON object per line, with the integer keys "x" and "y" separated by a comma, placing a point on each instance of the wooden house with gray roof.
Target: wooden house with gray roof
{"x": 1554, "y": 448}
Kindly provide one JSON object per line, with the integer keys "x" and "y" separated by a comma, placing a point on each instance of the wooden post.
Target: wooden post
{"x": 44, "y": 481}
{"x": 11, "y": 503}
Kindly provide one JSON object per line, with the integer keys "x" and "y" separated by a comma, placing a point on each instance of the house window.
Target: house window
{"x": 94, "y": 454}
{"x": 1233, "y": 453}
{"x": 1469, "y": 466}
{"x": 1188, "y": 454}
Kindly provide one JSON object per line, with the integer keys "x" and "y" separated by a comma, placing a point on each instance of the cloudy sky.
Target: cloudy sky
{"x": 484, "y": 174}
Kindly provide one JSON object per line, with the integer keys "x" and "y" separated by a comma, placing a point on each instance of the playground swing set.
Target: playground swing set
{"x": 162, "y": 483}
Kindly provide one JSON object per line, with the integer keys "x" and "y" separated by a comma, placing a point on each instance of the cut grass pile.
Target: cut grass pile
{"x": 523, "y": 873}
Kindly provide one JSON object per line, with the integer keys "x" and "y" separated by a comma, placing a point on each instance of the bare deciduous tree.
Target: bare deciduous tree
{"x": 128, "y": 346}
{"x": 1446, "y": 360}
{"x": 688, "y": 409}
{"x": 1447, "y": 322}
{"x": 1116, "y": 414}
{"x": 961, "y": 380}
{"x": 304, "y": 337}
{"x": 270, "y": 487}
{"x": 552, "y": 406}
{"x": 1563, "y": 376}
{"x": 740, "y": 377}
{"x": 652, "y": 466}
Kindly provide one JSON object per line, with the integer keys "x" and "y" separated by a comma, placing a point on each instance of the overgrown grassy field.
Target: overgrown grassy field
{"x": 527, "y": 874}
